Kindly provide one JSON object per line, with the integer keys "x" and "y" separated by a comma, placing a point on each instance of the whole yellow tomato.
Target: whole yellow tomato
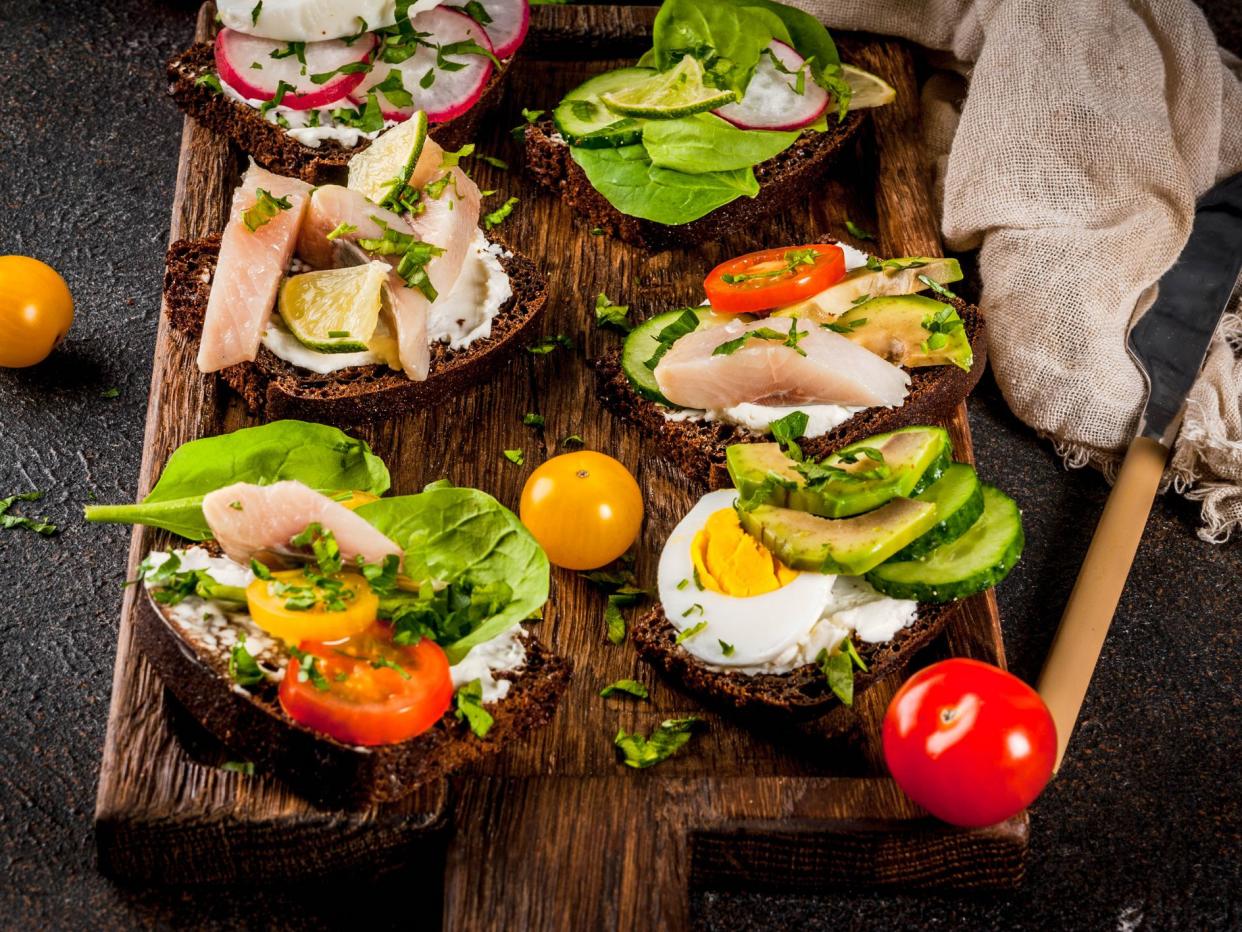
{"x": 584, "y": 508}
{"x": 36, "y": 311}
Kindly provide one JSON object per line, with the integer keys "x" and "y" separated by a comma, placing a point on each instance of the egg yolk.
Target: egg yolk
{"x": 730, "y": 561}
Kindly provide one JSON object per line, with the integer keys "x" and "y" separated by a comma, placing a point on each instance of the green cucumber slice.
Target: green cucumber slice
{"x": 958, "y": 497}
{"x": 647, "y": 342}
{"x": 584, "y": 120}
{"x": 977, "y": 560}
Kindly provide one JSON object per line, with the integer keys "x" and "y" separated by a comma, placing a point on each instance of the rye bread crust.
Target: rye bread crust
{"x": 698, "y": 447}
{"x": 275, "y": 149}
{"x": 783, "y": 180}
{"x": 799, "y": 695}
{"x": 323, "y": 770}
{"x": 274, "y": 389}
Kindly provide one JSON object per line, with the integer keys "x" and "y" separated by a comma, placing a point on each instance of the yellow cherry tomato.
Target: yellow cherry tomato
{"x": 584, "y": 508}
{"x": 292, "y": 607}
{"x": 357, "y": 499}
{"x": 36, "y": 311}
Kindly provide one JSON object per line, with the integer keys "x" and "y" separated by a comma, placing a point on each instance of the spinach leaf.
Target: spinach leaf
{"x": 705, "y": 143}
{"x": 626, "y": 177}
{"x": 727, "y": 37}
{"x": 323, "y": 458}
{"x": 453, "y": 535}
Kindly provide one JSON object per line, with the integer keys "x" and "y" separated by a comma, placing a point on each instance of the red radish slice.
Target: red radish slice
{"x": 236, "y": 53}
{"x": 450, "y": 93}
{"x": 509, "y": 21}
{"x": 772, "y": 100}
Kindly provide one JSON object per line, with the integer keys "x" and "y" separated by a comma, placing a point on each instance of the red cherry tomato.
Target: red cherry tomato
{"x": 367, "y": 690}
{"x": 970, "y": 743}
{"x": 771, "y": 278}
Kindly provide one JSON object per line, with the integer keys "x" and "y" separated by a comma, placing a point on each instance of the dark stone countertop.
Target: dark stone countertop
{"x": 1140, "y": 830}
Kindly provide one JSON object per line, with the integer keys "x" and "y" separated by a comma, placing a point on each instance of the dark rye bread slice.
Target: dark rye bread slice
{"x": 276, "y": 389}
{"x": 698, "y": 447}
{"x": 802, "y": 693}
{"x": 275, "y": 149}
{"x": 783, "y": 181}
{"x": 252, "y": 725}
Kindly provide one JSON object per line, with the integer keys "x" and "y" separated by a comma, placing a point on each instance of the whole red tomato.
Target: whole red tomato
{"x": 970, "y": 743}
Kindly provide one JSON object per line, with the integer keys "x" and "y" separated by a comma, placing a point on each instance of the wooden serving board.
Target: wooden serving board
{"x": 556, "y": 833}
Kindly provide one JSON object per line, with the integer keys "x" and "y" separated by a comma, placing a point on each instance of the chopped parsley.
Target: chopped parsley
{"x": 323, "y": 545}
{"x": 308, "y": 669}
{"x": 353, "y": 67}
{"x": 464, "y": 47}
{"x": 838, "y": 668}
{"x": 847, "y": 327}
{"x": 533, "y": 420}
{"x": 725, "y": 648}
{"x": 573, "y": 440}
{"x": 342, "y": 229}
{"x": 625, "y": 687}
{"x": 788, "y": 430}
{"x": 170, "y": 584}
{"x": 548, "y": 344}
{"x": 940, "y": 326}
{"x": 530, "y": 116}
{"x": 210, "y": 81}
{"x": 687, "y": 322}
{"x": 244, "y": 670}
{"x": 612, "y": 315}
{"x": 414, "y": 253}
{"x": 244, "y": 767}
{"x": 668, "y": 738}
{"x": 790, "y": 339}
{"x": 856, "y": 231}
{"x": 393, "y": 88}
{"x": 500, "y": 214}
{"x": 110, "y": 393}
{"x": 282, "y": 88}
{"x": 690, "y": 632}
{"x": 474, "y": 9}
{"x": 515, "y": 456}
{"x": 794, "y": 259}
{"x": 936, "y": 286}
{"x": 264, "y": 210}
{"x": 254, "y": 14}
{"x": 493, "y": 161}
{"x": 469, "y": 702}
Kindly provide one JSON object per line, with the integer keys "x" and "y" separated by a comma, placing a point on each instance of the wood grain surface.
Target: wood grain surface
{"x": 555, "y": 833}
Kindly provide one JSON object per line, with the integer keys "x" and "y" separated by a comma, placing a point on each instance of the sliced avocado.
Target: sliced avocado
{"x": 909, "y": 330}
{"x": 855, "y": 479}
{"x": 894, "y": 277}
{"x": 850, "y": 546}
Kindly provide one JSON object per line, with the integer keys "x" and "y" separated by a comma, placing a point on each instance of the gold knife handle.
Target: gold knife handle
{"x": 1076, "y": 648}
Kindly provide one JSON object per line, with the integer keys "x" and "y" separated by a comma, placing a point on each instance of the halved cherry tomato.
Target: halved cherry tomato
{"x": 295, "y": 607}
{"x": 366, "y": 690}
{"x": 968, "y": 742}
{"x": 36, "y": 311}
{"x": 771, "y": 278}
{"x": 584, "y": 508}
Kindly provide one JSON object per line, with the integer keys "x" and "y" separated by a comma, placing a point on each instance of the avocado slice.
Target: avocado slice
{"x": 909, "y": 330}
{"x": 855, "y": 479}
{"x": 894, "y": 277}
{"x": 850, "y": 546}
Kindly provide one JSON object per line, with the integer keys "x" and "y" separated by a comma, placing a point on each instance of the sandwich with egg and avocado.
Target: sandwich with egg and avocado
{"x": 810, "y": 580}
{"x": 354, "y": 645}
{"x": 821, "y": 343}
{"x": 738, "y": 110}
{"x": 355, "y": 302}
{"x": 303, "y": 85}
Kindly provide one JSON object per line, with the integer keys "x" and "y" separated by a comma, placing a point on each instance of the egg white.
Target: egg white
{"x": 779, "y": 630}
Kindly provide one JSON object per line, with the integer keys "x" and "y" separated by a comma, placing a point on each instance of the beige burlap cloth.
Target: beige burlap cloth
{"x": 1070, "y": 140}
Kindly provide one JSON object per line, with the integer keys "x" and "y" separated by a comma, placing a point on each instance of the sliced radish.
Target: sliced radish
{"x": 237, "y": 53}
{"x": 772, "y": 100}
{"x": 509, "y": 21}
{"x": 450, "y": 93}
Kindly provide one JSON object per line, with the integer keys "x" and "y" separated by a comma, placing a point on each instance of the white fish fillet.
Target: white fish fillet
{"x": 249, "y": 270}
{"x": 833, "y": 371}
{"x": 248, "y": 519}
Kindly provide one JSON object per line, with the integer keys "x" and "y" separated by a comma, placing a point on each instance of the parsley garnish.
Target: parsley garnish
{"x": 573, "y": 440}
{"x": 342, "y": 229}
{"x": 515, "y": 456}
{"x": 670, "y": 736}
{"x": 688, "y": 322}
{"x": 353, "y": 67}
{"x": 469, "y": 700}
{"x": 838, "y": 668}
{"x": 209, "y": 81}
{"x": 243, "y": 668}
{"x": 725, "y": 648}
{"x": 393, "y": 88}
{"x": 264, "y": 210}
{"x": 612, "y": 315}
{"x": 322, "y": 543}
{"x": 548, "y": 344}
{"x": 244, "y": 767}
{"x": 856, "y": 231}
{"x": 170, "y": 584}
{"x": 475, "y": 11}
{"x": 940, "y": 326}
{"x": 282, "y": 88}
{"x": 790, "y": 339}
{"x": 464, "y": 47}
{"x": 254, "y": 14}
{"x": 787, "y": 430}
{"x": 500, "y": 214}
{"x": 370, "y": 119}
{"x": 690, "y": 632}
{"x": 625, "y": 687}
{"x": 936, "y": 286}
{"x": 414, "y": 253}
{"x": 533, "y": 420}
{"x": 110, "y": 393}
{"x": 308, "y": 669}
{"x": 844, "y": 328}
{"x": 794, "y": 259}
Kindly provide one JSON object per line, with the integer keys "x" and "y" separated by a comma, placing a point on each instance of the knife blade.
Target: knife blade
{"x": 1168, "y": 343}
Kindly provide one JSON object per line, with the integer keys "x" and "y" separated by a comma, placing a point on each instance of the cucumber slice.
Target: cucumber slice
{"x": 958, "y": 497}
{"x": 584, "y": 120}
{"x": 977, "y": 560}
{"x": 649, "y": 341}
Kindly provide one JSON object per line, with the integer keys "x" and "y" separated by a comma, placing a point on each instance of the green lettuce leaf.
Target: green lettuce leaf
{"x": 633, "y": 185}
{"x": 321, "y": 457}
{"x": 706, "y": 143}
{"x": 450, "y": 535}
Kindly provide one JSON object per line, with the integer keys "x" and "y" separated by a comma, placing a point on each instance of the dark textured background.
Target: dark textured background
{"x": 1140, "y": 830}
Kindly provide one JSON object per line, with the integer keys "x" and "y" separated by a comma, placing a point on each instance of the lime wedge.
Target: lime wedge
{"x": 867, "y": 89}
{"x": 385, "y": 167}
{"x": 334, "y": 311}
{"x": 677, "y": 93}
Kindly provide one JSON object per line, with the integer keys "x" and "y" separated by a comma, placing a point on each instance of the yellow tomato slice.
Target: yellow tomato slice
{"x": 357, "y": 499}
{"x": 292, "y": 607}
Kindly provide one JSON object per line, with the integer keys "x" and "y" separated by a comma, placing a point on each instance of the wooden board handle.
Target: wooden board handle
{"x": 1080, "y": 636}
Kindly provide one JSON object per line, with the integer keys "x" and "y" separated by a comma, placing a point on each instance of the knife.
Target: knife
{"x": 1168, "y": 344}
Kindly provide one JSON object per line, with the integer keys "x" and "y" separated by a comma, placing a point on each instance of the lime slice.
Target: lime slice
{"x": 677, "y": 93}
{"x": 334, "y": 311}
{"x": 385, "y": 166}
{"x": 867, "y": 90}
